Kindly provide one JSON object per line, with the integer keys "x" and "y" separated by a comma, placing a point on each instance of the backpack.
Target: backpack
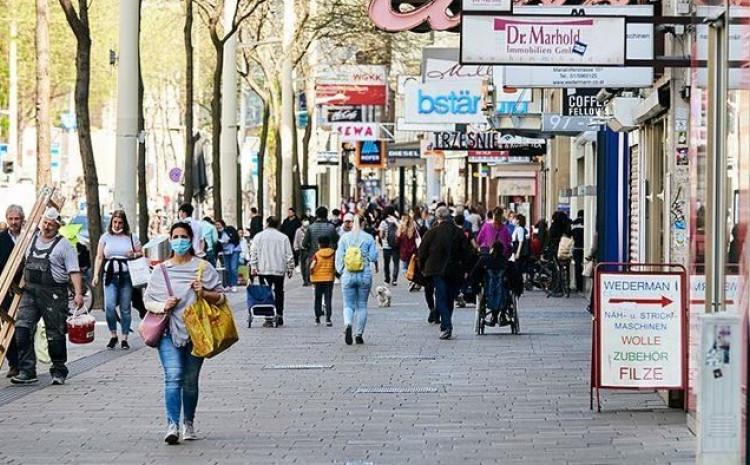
{"x": 354, "y": 261}
{"x": 391, "y": 235}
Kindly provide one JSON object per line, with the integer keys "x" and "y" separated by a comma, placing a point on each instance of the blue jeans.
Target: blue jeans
{"x": 232, "y": 264}
{"x": 181, "y": 372}
{"x": 119, "y": 292}
{"x": 445, "y": 294}
{"x": 356, "y": 289}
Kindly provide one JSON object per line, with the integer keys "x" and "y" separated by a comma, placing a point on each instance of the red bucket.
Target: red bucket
{"x": 81, "y": 328}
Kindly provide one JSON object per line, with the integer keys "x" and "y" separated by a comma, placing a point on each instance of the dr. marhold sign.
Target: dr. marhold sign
{"x": 641, "y": 331}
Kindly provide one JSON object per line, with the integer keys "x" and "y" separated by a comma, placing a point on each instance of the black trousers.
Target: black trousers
{"x": 12, "y": 354}
{"x": 323, "y": 290}
{"x": 277, "y": 285}
{"x": 391, "y": 256}
{"x": 50, "y": 304}
{"x": 578, "y": 268}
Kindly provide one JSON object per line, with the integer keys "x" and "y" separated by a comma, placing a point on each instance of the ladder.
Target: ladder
{"x": 9, "y": 285}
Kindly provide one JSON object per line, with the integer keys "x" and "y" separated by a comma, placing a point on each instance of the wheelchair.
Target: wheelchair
{"x": 496, "y": 294}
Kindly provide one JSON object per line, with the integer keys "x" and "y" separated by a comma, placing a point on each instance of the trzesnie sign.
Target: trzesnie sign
{"x": 537, "y": 40}
{"x": 641, "y": 330}
{"x": 489, "y": 141}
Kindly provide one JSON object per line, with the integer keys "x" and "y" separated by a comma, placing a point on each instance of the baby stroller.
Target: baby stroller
{"x": 261, "y": 304}
{"x": 499, "y": 297}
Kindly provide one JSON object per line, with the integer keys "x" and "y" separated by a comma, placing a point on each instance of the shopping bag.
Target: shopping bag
{"x": 211, "y": 328}
{"x": 153, "y": 325}
{"x": 413, "y": 273}
{"x": 140, "y": 272}
{"x": 41, "y": 346}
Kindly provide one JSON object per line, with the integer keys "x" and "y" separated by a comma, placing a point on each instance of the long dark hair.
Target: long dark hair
{"x": 188, "y": 229}
{"x": 120, "y": 214}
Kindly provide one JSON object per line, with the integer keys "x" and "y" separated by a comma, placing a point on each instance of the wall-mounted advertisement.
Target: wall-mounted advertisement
{"x": 535, "y": 40}
{"x": 452, "y": 102}
{"x": 350, "y": 132}
{"x": 639, "y": 39}
{"x": 486, "y": 5}
{"x": 517, "y": 145}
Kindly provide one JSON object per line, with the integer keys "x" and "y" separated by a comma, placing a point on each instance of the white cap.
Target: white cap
{"x": 52, "y": 214}
{"x": 348, "y": 217}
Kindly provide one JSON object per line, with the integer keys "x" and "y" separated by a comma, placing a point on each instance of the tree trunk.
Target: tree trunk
{"x": 306, "y": 148}
{"x": 43, "y": 126}
{"x": 142, "y": 185}
{"x": 277, "y": 161}
{"x": 260, "y": 196}
{"x": 296, "y": 188}
{"x": 189, "y": 142}
{"x": 216, "y": 130}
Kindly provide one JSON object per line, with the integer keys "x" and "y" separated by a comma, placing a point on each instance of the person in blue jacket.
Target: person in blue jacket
{"x": 356, "y": 277}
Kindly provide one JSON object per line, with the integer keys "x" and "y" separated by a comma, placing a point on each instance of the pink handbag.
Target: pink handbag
{"x": 153, "y": 325}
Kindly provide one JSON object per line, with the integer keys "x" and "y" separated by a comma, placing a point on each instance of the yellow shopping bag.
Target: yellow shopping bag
{"x": 211, "y": 327}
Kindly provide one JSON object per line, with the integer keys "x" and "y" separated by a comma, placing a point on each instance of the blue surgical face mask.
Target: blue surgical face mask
{"x": 180, "y": 246}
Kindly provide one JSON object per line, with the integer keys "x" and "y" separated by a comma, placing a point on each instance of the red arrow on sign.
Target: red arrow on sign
{"x": 664, "y": 301}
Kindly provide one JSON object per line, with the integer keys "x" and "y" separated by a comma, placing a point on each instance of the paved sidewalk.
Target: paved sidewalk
{"x": 404, "y": 397}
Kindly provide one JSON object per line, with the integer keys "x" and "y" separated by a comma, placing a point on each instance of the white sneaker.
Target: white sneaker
{"x": 234, "y": 289}
{"x": 188, "y": 431}
{"x": 173, "y": 434}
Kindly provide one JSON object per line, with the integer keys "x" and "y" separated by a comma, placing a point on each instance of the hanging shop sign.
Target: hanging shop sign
{"x": 350, "y": 132}
{"x": 554, "y": 123}
{"x": 453, "y": 102}
{"x": 580, "y": 102}
{"x": 738, "y": 50}
{"x": 639, "y": 39}
{"x": 351, "y": 85}
{"x": 347, "y": 114}
{"x": 486, "y": 5}
{"x": 370, "y": 154}
{"x": 516, "y": 186}
{"x": 327, "y": 158}
{"x": 517, "y": 145}
{"x": 496, "y": 157}
{"x": 435, "y": 69}
{"x": 640, "y": 330}
{"x": 428, "y": 16}
{"x": 364, "y": 75}
{"x": 535, "y": 40}
{"x": 403, "y": 153}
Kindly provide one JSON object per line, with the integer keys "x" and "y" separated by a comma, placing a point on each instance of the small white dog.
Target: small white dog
{"x": 383, "y": 295}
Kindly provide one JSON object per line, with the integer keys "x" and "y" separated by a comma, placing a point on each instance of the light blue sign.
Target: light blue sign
{"x": 3, "y": 151}
{"x": 453, "y": 103}
{"x": 506, "y": 108}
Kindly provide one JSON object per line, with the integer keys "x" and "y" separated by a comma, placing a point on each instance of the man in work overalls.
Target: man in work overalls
{"x": 51, "y": 263}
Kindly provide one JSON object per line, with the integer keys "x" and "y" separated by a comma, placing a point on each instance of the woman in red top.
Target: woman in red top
{"x": 406, "y": 239}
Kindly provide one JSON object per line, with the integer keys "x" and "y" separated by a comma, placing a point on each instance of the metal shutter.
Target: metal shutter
{"x": 635, "y": 204}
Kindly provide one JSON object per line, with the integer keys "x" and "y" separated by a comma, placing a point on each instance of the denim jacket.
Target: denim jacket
{"x": 369, "y": 252}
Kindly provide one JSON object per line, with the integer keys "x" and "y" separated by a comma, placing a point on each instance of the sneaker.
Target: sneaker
{"x": 317, "y": 321}
{"x": 359, "y": 340}
{"x": 348, "y": 335}
{"x": 188, "y": 431}
{"x": 112, "y": 342}
{"x": 173, "y": 434}
{"x": 58, "y": 380}
{"x": 125, "y": 345}
{"x": 12, "y": 372}
{"x": 394, "y": 284}
{"x": 445, "y": 335}
{"x": 268, "y": 324}
{"x": 24, "y": 378}
{"x": 329, "y": 323}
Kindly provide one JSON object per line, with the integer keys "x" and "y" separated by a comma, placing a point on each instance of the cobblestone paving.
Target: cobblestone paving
{"x": 402, "y": 398}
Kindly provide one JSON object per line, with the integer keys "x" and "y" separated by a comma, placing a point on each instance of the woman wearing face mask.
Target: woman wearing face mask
{"x": 181, "y": 368}
{"x": 116, "y": 247}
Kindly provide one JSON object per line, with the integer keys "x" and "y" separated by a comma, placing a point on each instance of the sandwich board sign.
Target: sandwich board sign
{"x": 640, "y": 329}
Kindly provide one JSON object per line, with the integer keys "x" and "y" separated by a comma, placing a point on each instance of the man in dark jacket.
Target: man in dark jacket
{"x": 317, "y": 229}
{"x": 14, "y": 217}
{"x": 576, "y": 229}
{"x": 256, "y": 222}
{"x": 444, "y": 256}
{"x": 290, "y": 225}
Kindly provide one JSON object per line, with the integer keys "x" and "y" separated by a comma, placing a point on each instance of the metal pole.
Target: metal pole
{"x": 287, "y": 106}
{"x": 13, "y": 94}
{"x": 126, "y": 148}
{"x": 716, "y": 164}
{"x": 228, "y": 139}
{"x": 401, "y": 189}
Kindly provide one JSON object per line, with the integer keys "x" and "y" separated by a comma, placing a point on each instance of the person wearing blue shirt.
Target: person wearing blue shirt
{"x": 355, "y": 285}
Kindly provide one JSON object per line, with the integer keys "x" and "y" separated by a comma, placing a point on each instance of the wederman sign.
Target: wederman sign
{"x": 488, "y": 141}
{"x": 550, "y": 40}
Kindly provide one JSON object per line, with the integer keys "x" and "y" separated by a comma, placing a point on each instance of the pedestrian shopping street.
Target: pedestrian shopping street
{"x": 297, "y": 394}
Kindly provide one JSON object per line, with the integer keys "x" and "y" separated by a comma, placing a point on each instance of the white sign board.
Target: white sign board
{"x": 537, "y": 40}
{"x": 372, "y": 75}
{"x": 641, "y": 336}
{"x": 639, "y": 39}
{"x": 486, "y": 5}
{"x": 739, "y": 47}
{"x": 351, "y": 132}
{"x": 453, "y": 102}
{"x": 437, "y": 69}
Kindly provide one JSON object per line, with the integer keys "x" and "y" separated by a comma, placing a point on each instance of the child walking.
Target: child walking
{"x": 322, "y": 275}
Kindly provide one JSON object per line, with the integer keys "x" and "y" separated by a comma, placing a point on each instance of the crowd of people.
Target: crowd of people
{"x": 439, "y": 249}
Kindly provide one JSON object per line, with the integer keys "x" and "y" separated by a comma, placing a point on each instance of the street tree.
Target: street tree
{"x": 43, "y": 124}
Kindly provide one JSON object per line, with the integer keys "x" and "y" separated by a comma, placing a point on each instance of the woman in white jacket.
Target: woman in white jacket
{"x": 271, "y": 258}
